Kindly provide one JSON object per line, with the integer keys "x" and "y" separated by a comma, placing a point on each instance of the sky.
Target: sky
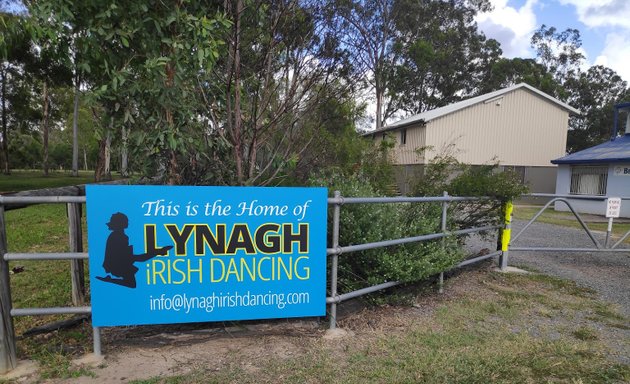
{"x": 604, "y": 26}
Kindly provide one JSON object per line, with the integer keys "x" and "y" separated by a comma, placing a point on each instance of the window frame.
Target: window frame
{"x": 403, "y": 136}
{"x": 589, "y": 180}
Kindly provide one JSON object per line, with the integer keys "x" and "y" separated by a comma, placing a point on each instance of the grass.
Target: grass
{"x": 508, "y": 329}
{"x": 567, "y": 219}
{"x": 23, "y": 180}
{"x": 43, "y": 228}
{"x": 494, "y": 334}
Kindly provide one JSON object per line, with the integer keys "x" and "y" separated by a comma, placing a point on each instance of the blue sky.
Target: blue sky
{"x": 604, "y": 26}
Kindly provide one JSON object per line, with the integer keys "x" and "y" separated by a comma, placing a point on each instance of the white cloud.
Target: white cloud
{"x": 611, "y": 17}
{"x": 512, "y": 27}
{"x": 602, "y": 13}
{"x": 616, "y": 54}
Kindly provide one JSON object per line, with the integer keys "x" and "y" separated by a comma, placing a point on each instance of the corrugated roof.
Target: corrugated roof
{"x": 612, "y": 151}
{"x": 439, "y": 112}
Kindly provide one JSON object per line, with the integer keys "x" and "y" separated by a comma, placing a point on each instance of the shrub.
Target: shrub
{"x": 445, "y": 173}
{"x": 366, "y": 223}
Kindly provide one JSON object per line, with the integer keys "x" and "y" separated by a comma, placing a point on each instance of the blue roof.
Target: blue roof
{"x": 612, "y": 151}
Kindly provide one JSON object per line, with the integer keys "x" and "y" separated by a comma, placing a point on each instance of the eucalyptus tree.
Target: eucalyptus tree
{"x": 559, "y": 52}
{"x": 443, "y": 57}
{"x": 12, "y": 44}
{"x": 51, "y": 66}
{"x": 141, "y": 62}
{"x": 18, "y": 104}
{"x": 507, "y": 72}
{"x": 368, "y": 30}
{"x": 415, "y": 54}
{"x": 282, "y": 62}
{"x": 594, "y": 92}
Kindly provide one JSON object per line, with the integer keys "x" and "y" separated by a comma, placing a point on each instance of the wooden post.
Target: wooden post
{"x": 8, "y": 357}
{"x": 77, "y": 269}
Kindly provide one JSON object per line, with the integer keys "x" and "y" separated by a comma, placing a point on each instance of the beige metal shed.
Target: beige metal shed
{"x": 519, "y": 126}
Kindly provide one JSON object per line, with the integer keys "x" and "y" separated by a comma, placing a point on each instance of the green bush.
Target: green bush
{"x": 366, "y": 223}
{"x": 445, "y": 173}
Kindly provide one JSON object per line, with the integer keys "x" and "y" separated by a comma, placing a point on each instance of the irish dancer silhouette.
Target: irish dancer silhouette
{"x": 119, "y": 257}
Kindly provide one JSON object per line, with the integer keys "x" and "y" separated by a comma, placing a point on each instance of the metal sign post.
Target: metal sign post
{"x": 613, "y": 209}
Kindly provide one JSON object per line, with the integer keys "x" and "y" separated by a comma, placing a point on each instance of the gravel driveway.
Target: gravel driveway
{"x": 607, "y": 273}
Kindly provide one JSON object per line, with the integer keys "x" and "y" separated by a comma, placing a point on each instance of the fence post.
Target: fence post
{"x": 77, "y": 270}
{"x": 335, "y": 262}
{"x": 505, "y": 235}
{"x": 443, "y": 229}
{"x": 8, "y": 357}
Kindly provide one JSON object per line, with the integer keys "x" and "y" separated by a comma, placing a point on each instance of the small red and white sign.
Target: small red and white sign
{"x": 613, "y": 207}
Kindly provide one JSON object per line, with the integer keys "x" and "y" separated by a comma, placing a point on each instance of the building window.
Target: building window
{"x": 589, "y": 180}
{"x": 403, "y": 136}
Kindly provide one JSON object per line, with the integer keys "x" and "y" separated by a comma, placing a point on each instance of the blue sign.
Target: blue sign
{"x": 190, "y": 254}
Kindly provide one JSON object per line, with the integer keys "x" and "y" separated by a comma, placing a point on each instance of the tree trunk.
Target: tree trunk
{"x": 108, "y": 153}
{"x": 45, "y": 128}
{"x": 102, "y": 172}
{"x": 75, "y": 128}
{"x": 124, "y": 160}
{"x": 99, "y": 171}
{"x": 5, "y": 132}
{"x": 85, "y": 164}
{"x": 238, "y": 121}
{"x": 380, "y": 92}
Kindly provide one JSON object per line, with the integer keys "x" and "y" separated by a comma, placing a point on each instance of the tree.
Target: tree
{"x": 142, "y": 62}
{"x": 507, "y": 72}
{"x": 368, "y": 30}
{"x": 277, "y": 71}
{"x": 51, "y": 64}
{"x": 14, "y": 51}
{"x": 594, "y": 93}
{"x": 443, "y": 57}
{"x": 559, "y": 52}
{"x": 416, "y": 55}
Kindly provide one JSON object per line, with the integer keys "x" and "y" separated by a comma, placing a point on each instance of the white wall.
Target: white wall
{"x": 618, "y": 186}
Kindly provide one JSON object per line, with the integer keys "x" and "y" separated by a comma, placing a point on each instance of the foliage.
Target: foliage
{"x": 332, "y": 145}
{"x": 367, "y": 223}
{"x": 414, "y": 55}
{"x": 594, "y": 93}
{"x": 445, "y": 174}
{"x": 559, "y": 52}
{"x": 507, "y": 72}
{"x": 442, "y": 56}
{"x": 281, "y": 65}
{"x": 25, "y": 151}
{"x": 367, "y": 30}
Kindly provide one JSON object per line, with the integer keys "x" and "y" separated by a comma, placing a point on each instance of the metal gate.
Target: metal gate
{"x": 569, "y": 200}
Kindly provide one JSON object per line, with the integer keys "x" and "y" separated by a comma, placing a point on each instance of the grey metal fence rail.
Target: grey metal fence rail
{"x": 8, "y": 359}
{"x": 336, "y": 250}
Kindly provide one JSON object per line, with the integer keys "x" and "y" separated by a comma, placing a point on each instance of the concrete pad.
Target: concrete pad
{"x": 511, "y": 270}
{"x": 337, "y": 333}
{"x": 24, "y": 368}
